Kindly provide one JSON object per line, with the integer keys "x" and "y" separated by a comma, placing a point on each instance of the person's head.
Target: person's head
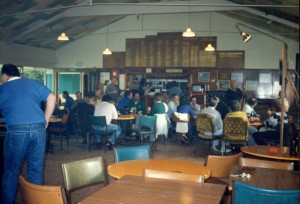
{"x": 193, "y": 100}
{"x": 157, "y": 96}
{"x": 106, "y": 98}
{"x": 213, "y": 101}
{"x": 184, "y": 100}
{"x": 128, "y": 94}
{"x": 175, "y": 99}
{"x": 78, "y": 95}
{"x": 65, "y": 94}
{"x": 270, "y": 110}
{"x": 8, "y": 71}
{"x": 233, "y": 84}
{"x": 147, "y": 85}
{"x": 114, "y": 80}
{"x": 136, "y": 96}
{"x": 235, "y": 106}
{"x": 252, "y": 102}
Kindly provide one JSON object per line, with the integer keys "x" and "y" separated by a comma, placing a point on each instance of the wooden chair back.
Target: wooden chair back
{"x": 266, "y": 164}
{"x": 220, "y": 165}
{"x": 149, "y": 173}
{"x": 41, "y": 194}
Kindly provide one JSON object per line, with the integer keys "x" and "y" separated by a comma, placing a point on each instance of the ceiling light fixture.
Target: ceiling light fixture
{"x": 189, "y": 33}
{"x": 63, "y": 37}
{"x": 209, "y": 47}
{"x": 106, "y": 51}
{"x": 246, "y": 37}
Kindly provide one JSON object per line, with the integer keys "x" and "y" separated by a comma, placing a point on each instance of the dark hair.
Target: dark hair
{"x": 106, "y": 98}
{"x": 10, "y": 70}
{"x": 173, "y": 95}
{"x": 90, "y": 94}
{"x": 157, "y": 96}
{"x": 184, "y": 100}
{"x": 252, "y": 101}
{"x": 127, "y": 93}
{"x": 66, "y": 93}
{"x": 192, "y": 98}
{"x": 235, "y": 106}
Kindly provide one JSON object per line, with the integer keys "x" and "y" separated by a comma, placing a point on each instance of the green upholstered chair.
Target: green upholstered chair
{"x": 41, "y": 194}
{"x": 132, "y": 153}
{"x": 147, "y": 126}
{"x": 248, "y": 194}
{"x": 82, "y": 173}
{"x": 99, "y": 121}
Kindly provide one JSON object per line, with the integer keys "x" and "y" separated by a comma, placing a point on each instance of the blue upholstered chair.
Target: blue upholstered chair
{"x": 248, "y": 194}
{"x": 147, "y": 126}
{"x": 132, "y": 153}
{"x": 99, "y": 121}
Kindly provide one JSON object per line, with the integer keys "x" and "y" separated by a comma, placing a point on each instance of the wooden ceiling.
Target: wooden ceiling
{"x": 37, "y": 23}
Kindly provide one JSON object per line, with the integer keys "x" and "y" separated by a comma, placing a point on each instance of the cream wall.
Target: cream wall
{"x": 26, "y": 56}
{"x": 260, "y": 53}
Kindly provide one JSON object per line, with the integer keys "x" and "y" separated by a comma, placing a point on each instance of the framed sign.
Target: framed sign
{"x": 224, "y": 84}
{"x": 237, "y": 76}
{"x": 203, "y": 76}
{"x": 251, "y": 85}
{"x": 265, "y": 78}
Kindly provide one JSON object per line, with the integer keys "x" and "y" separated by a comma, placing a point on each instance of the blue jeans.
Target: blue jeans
{"x": 23, "y": 141}
{"x": 117, "y": 131}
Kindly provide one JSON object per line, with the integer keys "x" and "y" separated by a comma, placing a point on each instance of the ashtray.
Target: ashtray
{"x": 273, "y": 149}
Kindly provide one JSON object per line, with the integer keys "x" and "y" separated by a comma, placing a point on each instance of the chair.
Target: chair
{"x": 132, "y": 153}
{"x": 182, "y": 120}
{"x": 220, "y": 165}
{"x": 147, "y": 126}
{"x": 60, "y": 129}
{"x": 41, "y": 194}
{"x": 206, "y": 123}
{"x": 235, "y": 131}
{"x": 82, "y": 173}
{"x": 99, "y": 121}
{"x": 266, "y": 164}
{"x": 248, "y": 194}
{"x": 75, "y": 124}
{"x": 149, "y": 173}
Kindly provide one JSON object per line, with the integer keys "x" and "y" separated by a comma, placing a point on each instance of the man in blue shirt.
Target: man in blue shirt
{"x": 69, "y": 101}
{"x": 20, "y": 104}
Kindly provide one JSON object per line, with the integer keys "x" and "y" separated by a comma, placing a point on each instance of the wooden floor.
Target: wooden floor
{"x": 77, "y": 151}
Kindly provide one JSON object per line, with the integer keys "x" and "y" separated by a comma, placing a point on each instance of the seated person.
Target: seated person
{"x": 236, "y": 112}
{"x": 110, "y": 112}
{"x": 249, "y": 110}
{"x": 211, "y": 110}
{"x": 263, "y": 138}
{"x": 185, "y": 107}
{"x": 268, "y": 122}
{"x": 140, "y": 107}
{"x": 160, "y": 109}
{"x": 196, "y": 107}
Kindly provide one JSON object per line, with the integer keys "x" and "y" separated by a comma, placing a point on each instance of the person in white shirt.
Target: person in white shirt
{"x": 110, "y": 112}
{"x": 249, "y": 110}
{"x": 196, "y": 107}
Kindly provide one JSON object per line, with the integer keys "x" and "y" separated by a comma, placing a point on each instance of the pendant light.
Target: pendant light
{"x": 106, "y": 51}
{"x": 189, "y": 33}
{"x": 209, "y": 47}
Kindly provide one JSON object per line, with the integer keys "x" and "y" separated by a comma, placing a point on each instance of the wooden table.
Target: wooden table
{"x": 126, "y": 117}
{"x": 262, "y": 151}
{"x": 256, "y": 124}
{"x": 266, "y": 178}
{"x": 136, "y": 167}
{"x": 134, "y": 189}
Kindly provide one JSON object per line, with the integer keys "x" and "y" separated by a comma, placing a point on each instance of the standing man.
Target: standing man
{"x": 26, "y": 128}
{"x": 233, "y": 93}
{"x": 78, "y": 100}
{"x": 113, "y": 90}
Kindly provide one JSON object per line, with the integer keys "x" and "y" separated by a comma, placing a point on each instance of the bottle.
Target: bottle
{"x": 294, "y": 145}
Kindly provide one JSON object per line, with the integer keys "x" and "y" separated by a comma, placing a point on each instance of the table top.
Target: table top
{"x": 255, "y": 124}
{"x": 134, "y": 189}
{"x": 266, "y": 178}
{"x": 136, "y": 167}
{"x": 263, "y": 151}
{"x": 126, "y": 117}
